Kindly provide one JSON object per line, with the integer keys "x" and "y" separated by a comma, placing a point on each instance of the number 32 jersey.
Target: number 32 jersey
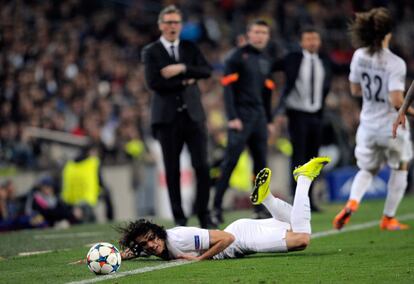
{"x": 378, "y": 75}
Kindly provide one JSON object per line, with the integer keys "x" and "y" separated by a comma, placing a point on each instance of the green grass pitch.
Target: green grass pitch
{"x": 362, "y": 256}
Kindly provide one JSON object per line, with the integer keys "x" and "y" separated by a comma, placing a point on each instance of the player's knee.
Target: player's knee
{"x": 298, "y": 241}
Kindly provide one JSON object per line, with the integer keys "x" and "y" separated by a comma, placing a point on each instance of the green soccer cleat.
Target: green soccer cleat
{"x": 261, "y": 186}
{"x": 312, "y": 168}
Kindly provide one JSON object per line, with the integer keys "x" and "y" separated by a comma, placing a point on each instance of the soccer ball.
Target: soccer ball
{"x": 103, "y": 258}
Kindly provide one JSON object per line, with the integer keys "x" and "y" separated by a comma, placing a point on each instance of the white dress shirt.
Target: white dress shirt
{"x": 299, "y": 97}
{"x": 167, "y": 45}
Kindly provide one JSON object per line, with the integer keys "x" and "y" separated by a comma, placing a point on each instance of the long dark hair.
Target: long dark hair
{"x": 369, "y": 29}
{"x": 132, "y": 230}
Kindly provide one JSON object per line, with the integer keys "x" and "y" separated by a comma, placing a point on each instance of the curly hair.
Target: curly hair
{"x": 369, "y": 29}
{"x": 132, "y": 230}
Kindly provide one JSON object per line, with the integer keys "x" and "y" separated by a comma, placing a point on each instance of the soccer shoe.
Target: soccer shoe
{"x": 343, "y": 217}
{"x": 261, "y": 186}
{"x": 392, "y": 224}
{"x": 312, "y": 168}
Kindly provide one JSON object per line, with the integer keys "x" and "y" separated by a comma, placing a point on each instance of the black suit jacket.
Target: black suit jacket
{"x": 165, "y": 91}
{"x": 290, "y": 65}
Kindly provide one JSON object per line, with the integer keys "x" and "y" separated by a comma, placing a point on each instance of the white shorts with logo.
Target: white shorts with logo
{"x": 253, "y": 236}
{"x": 373, "y": 147}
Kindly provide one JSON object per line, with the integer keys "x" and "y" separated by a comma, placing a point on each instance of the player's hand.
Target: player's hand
{"x": 190, "y": 81}
{"x": 235, "y": 124}
{"x": 400, "y": 120}
{"x": 280, "y": 120}
{"x": 271, "y": 129}
{"x": 188, "y": 257}
{"x": 127, "y": 254}
{"x": 173, "y": 70}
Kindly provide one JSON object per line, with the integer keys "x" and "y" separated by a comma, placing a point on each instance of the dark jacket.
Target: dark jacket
{"x": 165, "y": 91}
{"x": 290, "y": 65}
{"x": 246, "y": 71}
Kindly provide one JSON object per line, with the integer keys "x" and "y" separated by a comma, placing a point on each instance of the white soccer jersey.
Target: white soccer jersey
{"x": 378, "y": 75}
{"x": 187, "y": 240}
{"x": 251, "y": 236}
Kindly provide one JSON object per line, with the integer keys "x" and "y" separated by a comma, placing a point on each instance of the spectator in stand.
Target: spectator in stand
{"x": 82, "y": 184}
{"x": 44, "y": 201}
{"x": 12, "y": 216}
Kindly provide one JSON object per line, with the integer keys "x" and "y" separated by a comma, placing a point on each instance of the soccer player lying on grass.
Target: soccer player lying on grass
{"x": 288, "y": 230}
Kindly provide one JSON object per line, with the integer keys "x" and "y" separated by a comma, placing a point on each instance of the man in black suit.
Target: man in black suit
{"x": 172, "y": 68}
{"x": 308, "y": 80}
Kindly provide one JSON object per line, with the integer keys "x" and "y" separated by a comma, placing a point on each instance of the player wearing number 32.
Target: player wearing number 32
{"x": 378, "y": 75}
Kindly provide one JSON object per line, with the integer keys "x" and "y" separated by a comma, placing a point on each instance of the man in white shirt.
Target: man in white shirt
{"x": 378, "y": 75}
{"x": 308, "y": 79}
{"x": 288, "y": 230}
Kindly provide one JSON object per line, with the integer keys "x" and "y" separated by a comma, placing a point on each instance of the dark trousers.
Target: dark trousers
{"x": 305, "y": 131}
{"x": 172, "y": 138}
{"x": 254, "y": 135}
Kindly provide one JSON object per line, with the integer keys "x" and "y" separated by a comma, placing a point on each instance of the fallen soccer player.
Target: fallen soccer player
{"x": 288, "y": 230}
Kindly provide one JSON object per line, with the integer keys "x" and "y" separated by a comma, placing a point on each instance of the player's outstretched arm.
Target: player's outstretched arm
{"x": 404, "y": 109}
{"x": 125, "y": 255}
{"x": 219, "y": 241}
{"x": 356, "y": 90}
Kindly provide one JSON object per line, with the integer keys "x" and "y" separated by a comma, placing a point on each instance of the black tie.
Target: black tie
{"x": 173, "y": 53}
{"x": 312, "y": 80}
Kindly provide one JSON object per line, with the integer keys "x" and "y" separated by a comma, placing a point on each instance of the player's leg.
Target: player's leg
{"x": 300, "y": 219}
{"x": 399, "y": 150}
{"x": 279, "y": 209}
{"x": 273, "y": 234}
{"x": 368, "y": 160}
{"x": 397, "y": 184}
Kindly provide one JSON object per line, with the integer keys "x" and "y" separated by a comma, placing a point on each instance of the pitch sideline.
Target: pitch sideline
{"x": 351, "y": 228}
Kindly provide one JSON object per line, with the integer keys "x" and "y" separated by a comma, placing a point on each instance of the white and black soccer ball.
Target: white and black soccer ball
{"x": 103, "y": 258}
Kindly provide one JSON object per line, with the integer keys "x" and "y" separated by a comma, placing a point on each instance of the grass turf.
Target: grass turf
{"x": 363, "y": 256}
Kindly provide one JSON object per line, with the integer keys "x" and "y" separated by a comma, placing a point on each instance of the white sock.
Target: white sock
{"x": 362, "y": 181}
{"x": 396, "y": 188}
{"x": 301, "y": 214}
{"x": 279, "y": 209}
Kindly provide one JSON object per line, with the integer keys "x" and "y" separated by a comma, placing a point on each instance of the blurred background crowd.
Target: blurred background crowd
{"x": 74, "y": 66}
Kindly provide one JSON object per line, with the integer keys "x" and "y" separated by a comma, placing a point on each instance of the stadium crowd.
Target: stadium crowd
{"x": 74, "y": 66}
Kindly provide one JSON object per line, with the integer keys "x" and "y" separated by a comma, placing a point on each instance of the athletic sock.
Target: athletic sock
{"x": 279, "y": 209}
{"x": 397, "y": 184}
{"x": 362, "y": 181}
{"x": 301, "y": 214}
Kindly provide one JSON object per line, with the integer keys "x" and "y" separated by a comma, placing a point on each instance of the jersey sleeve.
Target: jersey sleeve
{"x": 354, "y": 74}
{"x": 398, "y": 73}
{"x": 193, "y": 239}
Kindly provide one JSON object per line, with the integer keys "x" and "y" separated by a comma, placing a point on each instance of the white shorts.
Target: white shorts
{"x": 252, "y": 236}
{"x": 375, "y": 147}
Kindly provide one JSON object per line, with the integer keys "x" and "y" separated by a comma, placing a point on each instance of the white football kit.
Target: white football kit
{"x": 251, "y": 236}
{"x": 378, "y": 75}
